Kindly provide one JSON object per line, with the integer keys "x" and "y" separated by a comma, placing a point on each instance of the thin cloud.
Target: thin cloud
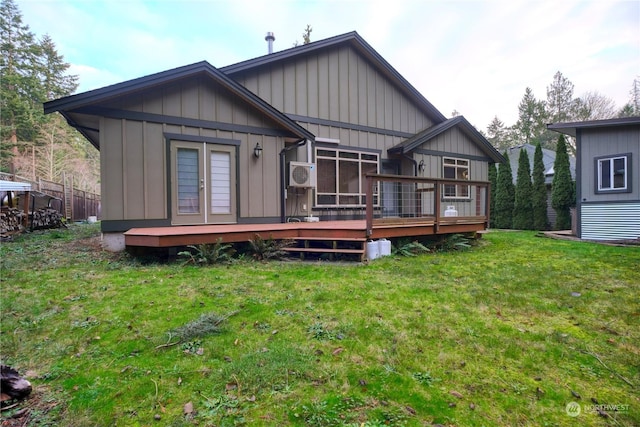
{"x": 476, "y": 57}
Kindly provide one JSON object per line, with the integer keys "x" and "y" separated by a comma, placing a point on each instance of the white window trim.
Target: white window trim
{"x": 457, "y": 196}
{"x": 611, "y": 161}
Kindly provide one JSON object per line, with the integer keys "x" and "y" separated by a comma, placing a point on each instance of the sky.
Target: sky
{"x": 474, "y": 57}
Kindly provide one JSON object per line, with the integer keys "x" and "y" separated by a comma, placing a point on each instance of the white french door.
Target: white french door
{"x": 203, "y": 183}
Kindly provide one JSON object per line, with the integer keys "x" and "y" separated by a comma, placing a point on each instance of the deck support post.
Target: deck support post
{"x": 369, "y": 207}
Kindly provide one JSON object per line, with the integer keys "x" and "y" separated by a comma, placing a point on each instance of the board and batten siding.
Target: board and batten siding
{"x": 455, "y": 144}
{"x": 595, "y": 143}
{"x": 615, "y": 215}
{"x": 341, "y": 86}
{"x": 133, "y": 161}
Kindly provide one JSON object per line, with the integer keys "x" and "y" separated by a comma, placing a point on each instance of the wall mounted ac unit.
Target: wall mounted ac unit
{"x": 302, "y": 175}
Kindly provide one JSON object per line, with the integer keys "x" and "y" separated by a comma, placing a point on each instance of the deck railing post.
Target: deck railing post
{"x": 369, "y": 207}
{"x": 436, "y": 195}
{"x": 487, "y": 205}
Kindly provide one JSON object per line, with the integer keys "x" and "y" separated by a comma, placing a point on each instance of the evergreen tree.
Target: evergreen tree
{"x": 20, "y": 110}
{"x": 493, "y": 179}
{"x": 522, "y": 208}
{"x": 52, "y": 72}
{"x": 560, "y": 102}
{"x": 531, "y": 117}
{"x": 539, "y": 192}
{"x": 505, "y": 195}
{"x": 562, "y": 190}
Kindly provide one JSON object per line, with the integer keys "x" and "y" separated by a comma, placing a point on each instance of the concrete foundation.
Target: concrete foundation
{"x": 113, "y": 242}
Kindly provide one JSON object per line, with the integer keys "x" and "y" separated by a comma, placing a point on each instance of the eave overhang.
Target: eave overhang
{"x": 570, "y": 128}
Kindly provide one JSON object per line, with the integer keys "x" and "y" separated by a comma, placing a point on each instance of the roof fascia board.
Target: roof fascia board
{"x": 434, "y": 131}
{"x": 100, "y": 95}
{"x": 569, "y": 128}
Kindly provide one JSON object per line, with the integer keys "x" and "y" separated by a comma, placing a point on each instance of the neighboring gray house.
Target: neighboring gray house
{"x": 548, "y": 159}
{"x": 607, "y": 177}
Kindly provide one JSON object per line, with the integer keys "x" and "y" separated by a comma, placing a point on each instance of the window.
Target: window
{"x": 613, "y": 173}
{"x": 341, "y": 176}
{"x": 455, "y": 169}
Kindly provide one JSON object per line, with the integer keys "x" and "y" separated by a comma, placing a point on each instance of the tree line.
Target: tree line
{"x": 560, "y": 105}
{"x": 523, "y": 205}
{"x": 32, "y": 144}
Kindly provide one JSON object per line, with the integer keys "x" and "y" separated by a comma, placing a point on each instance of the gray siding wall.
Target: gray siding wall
{"x": 455, "y": 142}
{"x": 133, "y": 153}
{"x": 608, "y": 216}
{"x": 596, "y": 143}
{"x": 341, "y": 86}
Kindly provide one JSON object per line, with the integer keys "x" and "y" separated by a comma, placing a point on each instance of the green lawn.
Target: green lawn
{"x": 505, "y": 334}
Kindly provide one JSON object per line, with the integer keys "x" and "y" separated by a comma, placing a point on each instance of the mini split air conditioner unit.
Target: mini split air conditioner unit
{"x": 302, "y": 175}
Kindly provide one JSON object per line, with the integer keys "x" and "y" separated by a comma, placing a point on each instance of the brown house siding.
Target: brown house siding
{"x": 134, "y": 160}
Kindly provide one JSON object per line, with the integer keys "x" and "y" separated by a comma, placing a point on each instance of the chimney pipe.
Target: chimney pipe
{"x": 270, "y": 38}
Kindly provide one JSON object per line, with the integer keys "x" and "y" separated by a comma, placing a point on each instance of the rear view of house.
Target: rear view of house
{"x": 289, "y": 136}
{"x": 607, "y": 177}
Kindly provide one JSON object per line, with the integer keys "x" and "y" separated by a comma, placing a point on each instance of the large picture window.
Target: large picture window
{"x": 613, "y": 173}
{"x": 455, "y": 169}
{"x": 341, "y": 176}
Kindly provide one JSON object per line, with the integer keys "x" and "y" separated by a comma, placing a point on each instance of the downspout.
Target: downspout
{"x": 415, "y": 163}
{"x": 283, "y": 178}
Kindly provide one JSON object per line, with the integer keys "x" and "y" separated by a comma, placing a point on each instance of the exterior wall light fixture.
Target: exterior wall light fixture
{"x": 257, "y": 150}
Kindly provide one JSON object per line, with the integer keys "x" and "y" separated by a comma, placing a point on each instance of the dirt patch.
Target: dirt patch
{"x": 37, "y": 407}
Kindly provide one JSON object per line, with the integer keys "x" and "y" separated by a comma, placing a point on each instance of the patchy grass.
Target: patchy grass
{"x": 506, "y": 333}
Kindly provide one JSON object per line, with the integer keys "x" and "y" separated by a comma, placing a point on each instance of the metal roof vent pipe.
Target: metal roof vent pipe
{"x": 270, "y": 38}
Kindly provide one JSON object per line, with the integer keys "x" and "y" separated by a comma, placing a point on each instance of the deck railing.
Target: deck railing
{"x": 398, "y": 199}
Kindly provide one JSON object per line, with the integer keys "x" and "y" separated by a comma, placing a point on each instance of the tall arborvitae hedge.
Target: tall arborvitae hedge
{"x": 505, "y": 195}
{"x": 493, "y": 179}
{"x": 522, "y": 208}
{"x": 539, "y": 192}
{"x": 562, "y": 193}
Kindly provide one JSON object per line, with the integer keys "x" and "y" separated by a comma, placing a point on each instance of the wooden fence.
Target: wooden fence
{"x": 72, "y": 203}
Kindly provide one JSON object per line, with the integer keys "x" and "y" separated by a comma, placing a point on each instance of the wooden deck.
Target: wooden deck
{"x": 327, "y": 238}
{"x": 355, "y": 230}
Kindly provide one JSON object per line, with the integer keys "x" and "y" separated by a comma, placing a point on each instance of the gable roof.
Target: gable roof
{"x": 67, "y": 105}
{"x": 569, "y": 128}
{"x": 354, "y": 40}
{"x": 426, "y": 135}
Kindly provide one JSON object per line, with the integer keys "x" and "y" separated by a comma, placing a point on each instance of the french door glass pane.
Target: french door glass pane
{"x": 188, "y": 185}
{"x": 220, "y": 182}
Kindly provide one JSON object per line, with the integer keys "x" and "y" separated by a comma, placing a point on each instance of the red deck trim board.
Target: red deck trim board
{"x": 328, "y": 230}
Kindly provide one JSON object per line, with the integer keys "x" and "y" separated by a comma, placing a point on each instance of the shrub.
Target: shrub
{"x": 207, "y": 253}
{"x": 268, "y": 249}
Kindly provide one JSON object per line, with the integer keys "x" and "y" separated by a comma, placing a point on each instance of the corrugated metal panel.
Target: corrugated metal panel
{"x": 611, "y": 221}
{"x": 14, "y": 186}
